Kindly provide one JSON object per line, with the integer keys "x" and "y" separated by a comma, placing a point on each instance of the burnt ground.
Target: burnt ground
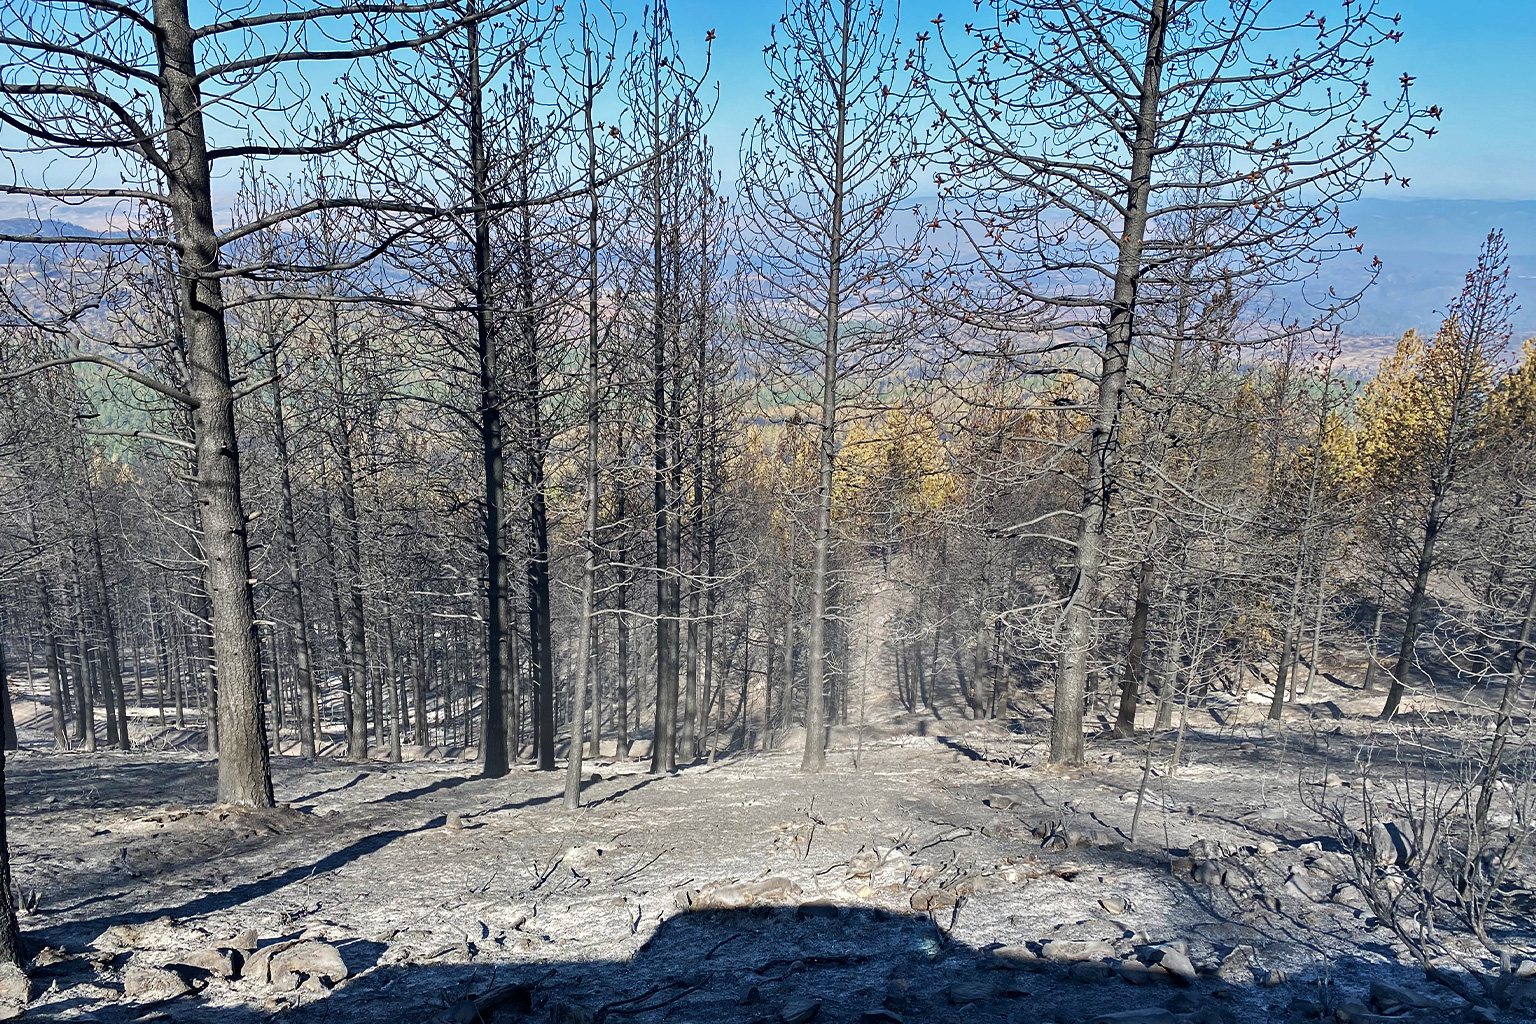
{"x": 937, "y": 870}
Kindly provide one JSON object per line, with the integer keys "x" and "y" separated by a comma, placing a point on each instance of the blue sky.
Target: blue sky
{"x": 1475, "y": 58}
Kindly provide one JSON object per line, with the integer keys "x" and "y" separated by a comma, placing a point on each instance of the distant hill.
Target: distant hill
{"x": 41, "y": 228}
{"x": 25, "y": 252}
{"x": 1426, "y": 248}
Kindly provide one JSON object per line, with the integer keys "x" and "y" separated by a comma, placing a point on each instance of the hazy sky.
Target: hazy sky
{"x": 1475, "y": 58}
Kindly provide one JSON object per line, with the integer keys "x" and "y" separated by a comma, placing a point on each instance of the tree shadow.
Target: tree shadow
{"x": 970, "y": 753}
{"x": 356, "y": 779}
{"x": 44, "y": 782}
{"x": 758, "y": 964}
{"x": 75, "y": 932}
{"x": 450, "y": 782}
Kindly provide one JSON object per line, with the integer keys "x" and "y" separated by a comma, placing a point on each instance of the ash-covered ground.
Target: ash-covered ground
{"x": 936, "y": 870}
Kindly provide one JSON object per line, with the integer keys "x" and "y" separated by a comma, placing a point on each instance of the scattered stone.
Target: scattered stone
{"x": 453, "y": 821}
{"x": 1134, "y": 972}
{"x": 1391, "y": 845}
{"x": 976, "y": 883}
{"x": 1208, "y": 872}
{"x": 146, "y": 983}
{"x": 1075, "y": 950}
{"x": 1115, "y": 904}
{"x": 1328, "y": 864}
{"x": 217, "y": 962}
{"x": 726, "y": 897}
{"x": 580, "y": 858}
{"x": 1386, "y": 997}
{"x": 1001, "y": 802}
{"x": 752, "y": 997}
{"x": 962, "y": 992}
{"x": 1015, "y": 957}
{"x": 1237, "y": 966}
{"x": 157, "y": 934}
{"x": 863, "y": 864}
{"x": 1298, "y": 884}
{"x": 775, "y": 888}
{"x": 1353, "y": 1011}
{"x": 287, "y": 965}
{"x": 1090, "y": 972}
{"x": 1268, "y": 847}
{"x": 799, "y": 1010}
{"x": 15, "y": 986}
{"x": 49, "y": 956}
{"x": 246, "y": 941}
{"x": 933, "y": 899}
{"x": 1173, "y": 960}
{"x": 303, "y": 961}
{"x": 1347, "y": 894}
{"x": 1211, "y": 849}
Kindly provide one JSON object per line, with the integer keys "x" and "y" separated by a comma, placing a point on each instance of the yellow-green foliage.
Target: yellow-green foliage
{"x": 1426, "y": 407}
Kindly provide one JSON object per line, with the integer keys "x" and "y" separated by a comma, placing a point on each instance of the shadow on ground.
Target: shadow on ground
{"x": 756, "y": 966}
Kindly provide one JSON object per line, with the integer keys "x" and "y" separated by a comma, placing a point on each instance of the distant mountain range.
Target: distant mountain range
{"x": 45, "y": 228}
{"x": 1426, "y": 247}
{"x": 25, "y": 252}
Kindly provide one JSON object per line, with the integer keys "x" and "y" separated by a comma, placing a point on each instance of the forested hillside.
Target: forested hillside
{"x": 487, "y": 433}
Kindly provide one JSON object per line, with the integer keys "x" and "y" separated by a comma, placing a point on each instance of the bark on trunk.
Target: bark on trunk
{"x": 1136, "y": 663}
{"x": 815, "y": 757}
{"x": 7, "y": 716}
{"x": 664, "y": 734}
{"x": 356, "y": 649}
{"x": 498, "y": 744}
{"x": 1416, "y": 601}
{"x": 10, "y": 933}
{"x": 56, "y": 680}
{"x": 304, "y": 676}
{"x": 1099, "y": 483}
{"x": 244, "y": 772}
{"x": 1504, "y": 724}
{"x": 541, "y": 654}
{"x": 589, "y": 540}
